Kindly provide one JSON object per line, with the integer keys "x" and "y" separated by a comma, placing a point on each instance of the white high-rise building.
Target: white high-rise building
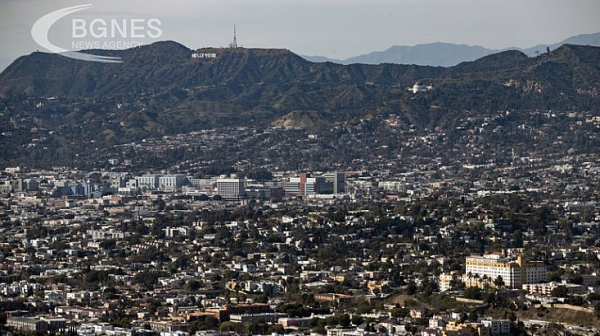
{"x": 231, "y": 188}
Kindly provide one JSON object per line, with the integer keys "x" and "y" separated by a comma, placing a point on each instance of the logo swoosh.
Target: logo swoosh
{"x": 41, "y": 27}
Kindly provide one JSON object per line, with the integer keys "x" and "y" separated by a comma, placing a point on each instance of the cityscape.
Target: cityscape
{"x": 339, "y": 252}
{"x": 431, "y": 190}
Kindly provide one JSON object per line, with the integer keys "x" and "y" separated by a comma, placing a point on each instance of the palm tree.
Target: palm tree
{"x": 476, "y": 276}
{"x": 470, "y": 276}
{"x": 499, "y": 282}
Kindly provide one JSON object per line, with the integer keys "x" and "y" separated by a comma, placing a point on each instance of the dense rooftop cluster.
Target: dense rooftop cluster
{"x": 105, "y": 252}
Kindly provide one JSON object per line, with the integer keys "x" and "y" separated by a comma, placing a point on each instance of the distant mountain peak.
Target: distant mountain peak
{"x": 449, "y": 54}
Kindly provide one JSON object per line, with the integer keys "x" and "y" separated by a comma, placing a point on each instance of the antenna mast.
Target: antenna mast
{"x": 233, "y": 44}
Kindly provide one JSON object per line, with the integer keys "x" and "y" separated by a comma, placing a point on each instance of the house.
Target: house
{"x": 419, "y": 312}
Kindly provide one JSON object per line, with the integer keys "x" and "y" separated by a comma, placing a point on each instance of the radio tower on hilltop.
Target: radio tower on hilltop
{"x": 233, "y": 44}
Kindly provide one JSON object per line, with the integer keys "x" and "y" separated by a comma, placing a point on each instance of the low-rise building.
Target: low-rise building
{"x": 27, "y": 323}
{"x": 497, "y": 326}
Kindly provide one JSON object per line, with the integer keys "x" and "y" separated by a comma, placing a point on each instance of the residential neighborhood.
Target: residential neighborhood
{"x": 361, "y": 252}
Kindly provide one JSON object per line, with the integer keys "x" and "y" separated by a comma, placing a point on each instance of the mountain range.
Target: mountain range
{"x": 160, "y": 89}
{"x": 448, "y": 54}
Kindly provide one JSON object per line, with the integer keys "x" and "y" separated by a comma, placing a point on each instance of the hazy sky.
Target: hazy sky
{"x": 332, "y": 28}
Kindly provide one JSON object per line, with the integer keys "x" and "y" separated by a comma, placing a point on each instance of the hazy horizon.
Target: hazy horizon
{"x": 336, "y": 29}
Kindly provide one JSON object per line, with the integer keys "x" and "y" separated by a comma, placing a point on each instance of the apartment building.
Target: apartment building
{"x": 513, "y": 273}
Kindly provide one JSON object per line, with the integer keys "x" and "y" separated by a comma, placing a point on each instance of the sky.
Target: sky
{"x": 333, "y": 28}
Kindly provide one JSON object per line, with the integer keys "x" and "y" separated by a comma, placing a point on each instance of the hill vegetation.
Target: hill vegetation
{"x": 161, "y": 90}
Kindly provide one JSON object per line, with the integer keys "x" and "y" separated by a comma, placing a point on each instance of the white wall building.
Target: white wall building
{"x": 497, "y": 326}
{"x": 171, "y": 182}
{"x": 148, "y": 181}
{"x": 231, "y": 188}
{"x": 513, "y": 273}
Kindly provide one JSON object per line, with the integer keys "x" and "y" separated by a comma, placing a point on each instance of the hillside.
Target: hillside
{"x": 165, "y": 65}
{"x": 312, "y": 120}
{"x": 160, "y": 90}
{"x": 274, "y": 79}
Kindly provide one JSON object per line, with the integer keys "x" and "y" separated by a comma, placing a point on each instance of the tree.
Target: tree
{"x": 108, "y": 244}
{"x": 276, "y": 329}
{"x": 473, "y": 293}
{"x": 456, "y": 283}
{"x": 319, "y": 325}
{"x": 510, "y": 316}
{"x": 499, "y": 282}
{"x": 489, "y": 296}
{"x": 193, "y": 285}
{"x": 518, "y": 329}
{"x": 260, "y": 174}
{"x": 428, "y": 287}
{"x": 576, "y": 300}
{"x": 227, "y": 326}
{"x": 411, "y": 288}
{"x": 517, "y": 239}
{"x": 555, "y": 275}
{"x": 400, "y": 312}
{"x": 363, "y": 307}
{"x": 262, "y": 298}
{"x": 473, "y": 315}
{"x": 576, "y": 279}
{"x": 593, "y": 297}
{"x": 560, "y": 291}
{"x": 357, "y": 320}
{"x": 344, "y": 320}
{"x": 332, "y": 320}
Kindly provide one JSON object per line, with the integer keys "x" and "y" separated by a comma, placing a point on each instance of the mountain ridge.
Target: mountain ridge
{"x": 158, "y": 66}
{"x": 449, "y": 54}
{"x": 161, "y": 90}
{"x": 168, "y": 65}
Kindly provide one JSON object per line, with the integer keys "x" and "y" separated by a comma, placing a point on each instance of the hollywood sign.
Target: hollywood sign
{"x": 204, "y": 55}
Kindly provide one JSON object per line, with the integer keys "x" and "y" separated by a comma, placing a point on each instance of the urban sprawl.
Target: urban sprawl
{"x": 419, "y": 252}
